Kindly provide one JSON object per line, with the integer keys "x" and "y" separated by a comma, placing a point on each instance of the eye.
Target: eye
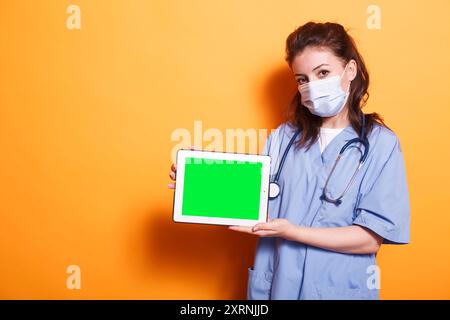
{"x": 323, "y": 73}
{"x": 301, "y": 80}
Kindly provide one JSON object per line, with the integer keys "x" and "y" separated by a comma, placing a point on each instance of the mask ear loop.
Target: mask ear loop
{"x": 347, "y": 94}
{"x": 350, "y": 81}
{"x": 343, "y": 71}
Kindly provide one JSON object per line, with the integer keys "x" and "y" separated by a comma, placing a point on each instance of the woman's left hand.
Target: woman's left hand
{"x": 274, "y": 228}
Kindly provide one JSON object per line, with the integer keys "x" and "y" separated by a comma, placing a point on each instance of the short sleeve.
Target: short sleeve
{"x": 383, "y": 206}
{"x": 274, "y": 139}
{"x": 267, "y": 145}
{"x": 272, "y": 146}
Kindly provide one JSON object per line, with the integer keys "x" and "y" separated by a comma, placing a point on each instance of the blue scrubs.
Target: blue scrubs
{"x": 378, "y": 200}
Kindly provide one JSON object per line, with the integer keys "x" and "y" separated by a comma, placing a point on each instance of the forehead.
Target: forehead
{"x": 312, "y": 57}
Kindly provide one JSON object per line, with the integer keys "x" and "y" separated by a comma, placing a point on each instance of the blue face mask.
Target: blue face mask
{"x": 324, "y": 97}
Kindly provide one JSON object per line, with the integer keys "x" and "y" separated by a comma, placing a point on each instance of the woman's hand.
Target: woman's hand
{"x": 172, "y": 175}
{"x": 352, "y": 239}
{"x": 274, "y": 228}
{"x": 173, "y": 171}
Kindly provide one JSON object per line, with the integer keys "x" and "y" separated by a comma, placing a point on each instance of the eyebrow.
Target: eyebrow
{"x": 323, "y": 64}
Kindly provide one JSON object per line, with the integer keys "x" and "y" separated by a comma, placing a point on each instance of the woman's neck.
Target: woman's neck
{"x": 338, "y": 121}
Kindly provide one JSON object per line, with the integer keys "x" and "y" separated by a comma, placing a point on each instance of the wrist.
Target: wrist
{"x": 292, "y": 232}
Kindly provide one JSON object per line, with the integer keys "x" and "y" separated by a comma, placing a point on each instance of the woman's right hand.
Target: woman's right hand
{"x": 172, "y": 175}
{"x": 173, "y": 171}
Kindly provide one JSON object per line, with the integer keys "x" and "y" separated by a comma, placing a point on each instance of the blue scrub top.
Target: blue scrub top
{"x": 378, "y": 200}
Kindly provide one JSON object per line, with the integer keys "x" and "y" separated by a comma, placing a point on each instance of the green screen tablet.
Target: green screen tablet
{"x": 221, "y": 188}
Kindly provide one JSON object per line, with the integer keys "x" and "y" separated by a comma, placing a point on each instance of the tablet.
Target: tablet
{"x": 221, "y": 188}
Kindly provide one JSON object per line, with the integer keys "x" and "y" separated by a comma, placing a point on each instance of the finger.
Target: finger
{"x": 241, "y": 229}
{"x": 171, "y": 185}
{"x": 172, "y": 175}
{"x": 173, "y": 167}
{"x": 262, "y": 226}
{"x": 263, "y": 233}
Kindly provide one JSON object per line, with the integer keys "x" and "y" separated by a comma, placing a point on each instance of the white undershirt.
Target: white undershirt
{"x": 326, "y": 135}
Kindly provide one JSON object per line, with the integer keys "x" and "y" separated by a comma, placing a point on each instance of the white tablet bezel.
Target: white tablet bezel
{"x": 182, "y": 154}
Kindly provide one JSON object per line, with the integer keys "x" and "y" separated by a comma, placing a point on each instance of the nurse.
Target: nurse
{"x": 313, "y": 247}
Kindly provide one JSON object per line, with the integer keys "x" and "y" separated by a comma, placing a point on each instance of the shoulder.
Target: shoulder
{"x": 383, "y": 135}
{"x": 278, "y": 136}
{"x": 383, "y": 141}
{"x": 286, "y": 129}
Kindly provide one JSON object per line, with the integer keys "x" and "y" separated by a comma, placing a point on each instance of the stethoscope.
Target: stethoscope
{"x": 274, "y": 187}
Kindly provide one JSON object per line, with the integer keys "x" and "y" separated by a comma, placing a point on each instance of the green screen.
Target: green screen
{"x": 222, "y": 188}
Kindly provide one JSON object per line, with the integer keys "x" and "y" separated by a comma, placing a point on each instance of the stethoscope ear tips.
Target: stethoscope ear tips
{"x": 274, "y": 190}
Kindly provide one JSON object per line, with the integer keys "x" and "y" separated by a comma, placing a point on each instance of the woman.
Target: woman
{"x": 326, "y": 225}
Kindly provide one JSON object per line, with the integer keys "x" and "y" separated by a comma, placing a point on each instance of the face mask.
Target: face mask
{"x": 324, "y": 97}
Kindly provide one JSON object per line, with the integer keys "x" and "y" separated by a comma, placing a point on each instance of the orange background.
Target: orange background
{"x": 86, "y": 118}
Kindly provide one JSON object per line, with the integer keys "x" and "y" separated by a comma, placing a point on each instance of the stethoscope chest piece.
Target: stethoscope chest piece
{"x": 274, "y": 190}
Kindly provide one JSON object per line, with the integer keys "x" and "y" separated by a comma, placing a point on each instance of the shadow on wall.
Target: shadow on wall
{"x": 195, "y": 253}
{"x": 276, "y": 94}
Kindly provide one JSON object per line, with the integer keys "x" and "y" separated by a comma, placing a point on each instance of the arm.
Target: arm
{"x": 350, "y": 239}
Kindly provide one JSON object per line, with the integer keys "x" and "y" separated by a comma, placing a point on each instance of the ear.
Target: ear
{"x": 352, "y": 69}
